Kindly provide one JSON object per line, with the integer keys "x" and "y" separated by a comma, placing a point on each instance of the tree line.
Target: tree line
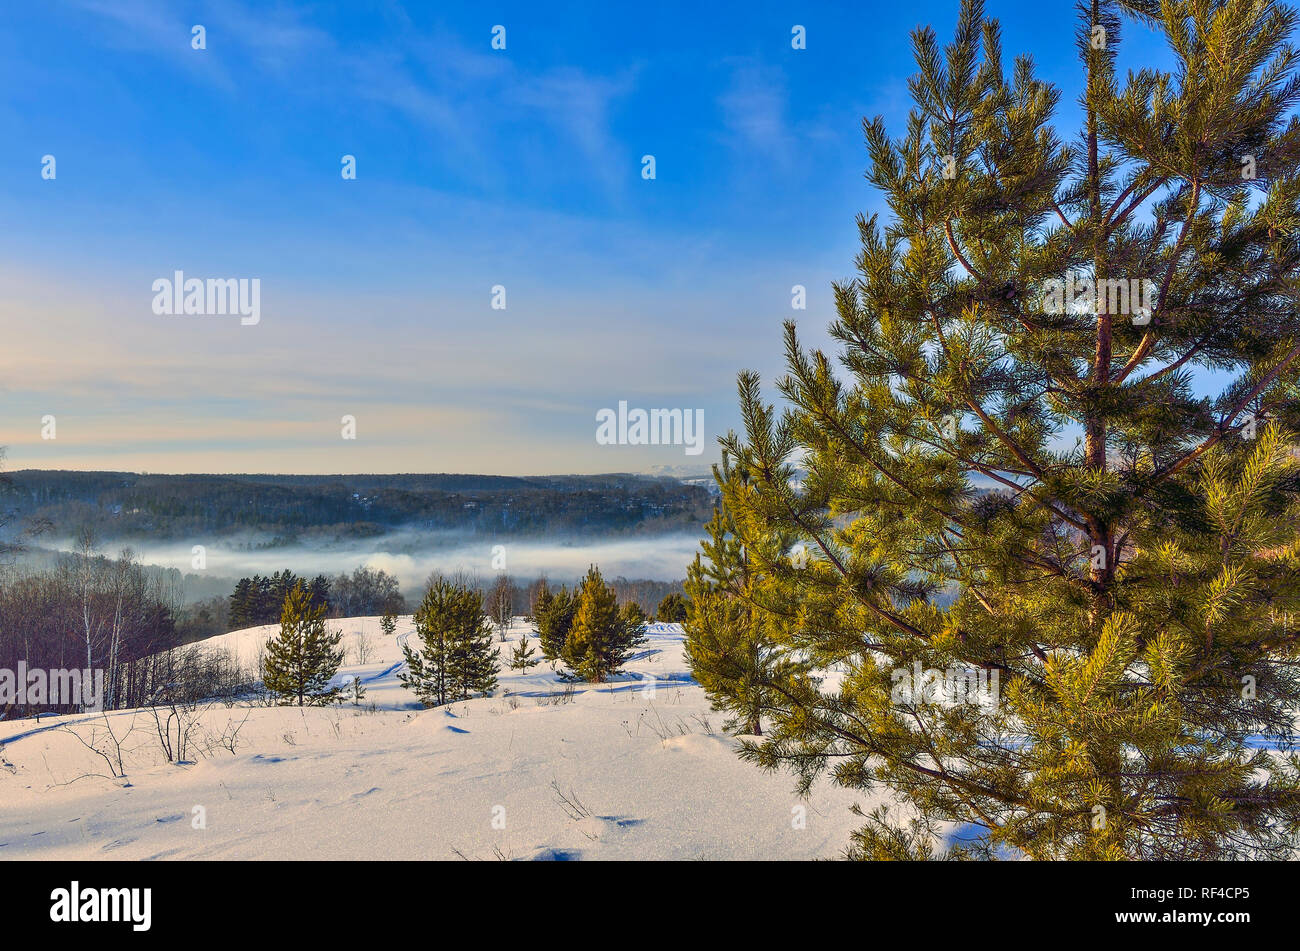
{"x": 365, "y": 592}
{"x": 297, "y": 509}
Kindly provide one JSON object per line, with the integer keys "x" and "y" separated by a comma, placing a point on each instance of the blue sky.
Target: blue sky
{"x": 475, "y": 167}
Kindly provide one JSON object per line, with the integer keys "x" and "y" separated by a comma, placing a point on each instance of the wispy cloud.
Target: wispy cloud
{"x": 754, "y": 111}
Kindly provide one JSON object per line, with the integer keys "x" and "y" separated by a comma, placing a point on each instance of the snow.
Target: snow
{"x": 635, "y": 769}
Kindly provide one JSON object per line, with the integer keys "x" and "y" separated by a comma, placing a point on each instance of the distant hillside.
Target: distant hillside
{"x": 294, "y": 508}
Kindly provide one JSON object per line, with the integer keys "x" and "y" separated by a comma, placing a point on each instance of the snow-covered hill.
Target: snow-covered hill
{"x": 637, "y": 769}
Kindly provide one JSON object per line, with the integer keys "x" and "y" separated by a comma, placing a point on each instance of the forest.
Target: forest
{"x": 296, "y": 508}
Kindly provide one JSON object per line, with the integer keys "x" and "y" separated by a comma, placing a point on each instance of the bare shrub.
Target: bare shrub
{"x": 176, "y": 724}
{"x": 363, "y": 649}
{"x": 197, "y": 673}
{"x": 228, "y": 738}
{"x": 104, "y": 743}
{"x": 573, "y": 807}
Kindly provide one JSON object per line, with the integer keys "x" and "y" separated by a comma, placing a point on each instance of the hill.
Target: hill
{"x": 636, "y": 769}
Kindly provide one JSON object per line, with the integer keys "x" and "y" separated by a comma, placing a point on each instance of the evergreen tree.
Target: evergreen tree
{"x": 259, "y": 600}
{"x": 473, "y": 662}
{"x": 263, "y": 605}
{"x": 426, "y": 669}
{"x": 600, "y": 638}
{"x": 303, "y": 659}
{"x": 241, "y": 605}
{"x": 388, "y": 624}
{"x": 730, "y": 654}
{"x": 521, "y": 658}
{"x": 634, "y": 617}
{"x": 672, "y": 609}
{"x": 552, "y": 619}
{"x": 1126, "y": 597}
{"x": 278, "y": 587}
{"x": 319, "y": 591}
{"x": 456, "y": 658}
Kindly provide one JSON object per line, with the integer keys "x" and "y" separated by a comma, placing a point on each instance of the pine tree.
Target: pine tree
{"x": 319, "y": 590}
{"x": 552, "y": 619}
{"x": 426, "y": 669}
{"x": 277, "y": 589}
{"x": 303, "y": 659}
{"x": 521, "y": 658}
{"x": 729, "y": 653}
{"x": 456, "y": 658}
{"x": 241, "y": 604}
{"x": 388, "y": 624}
{"x": 600, "y": 638}
{"x": 1122, "y": 602}
{"x": 633, "y": 615}
{"x": 473, "y": 661}
{"x": 263, "y": 604}
{"x": 672, "y": 609}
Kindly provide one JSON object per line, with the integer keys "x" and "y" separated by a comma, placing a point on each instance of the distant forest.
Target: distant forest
{"x": 288, "y": 509}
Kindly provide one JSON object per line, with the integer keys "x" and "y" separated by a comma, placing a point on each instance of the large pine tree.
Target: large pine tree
{"x": 303, "y": 659}
{"x": 1088, "y": 498}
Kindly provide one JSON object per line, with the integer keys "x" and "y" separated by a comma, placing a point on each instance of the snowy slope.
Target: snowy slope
{"x": 637, "y": 769}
